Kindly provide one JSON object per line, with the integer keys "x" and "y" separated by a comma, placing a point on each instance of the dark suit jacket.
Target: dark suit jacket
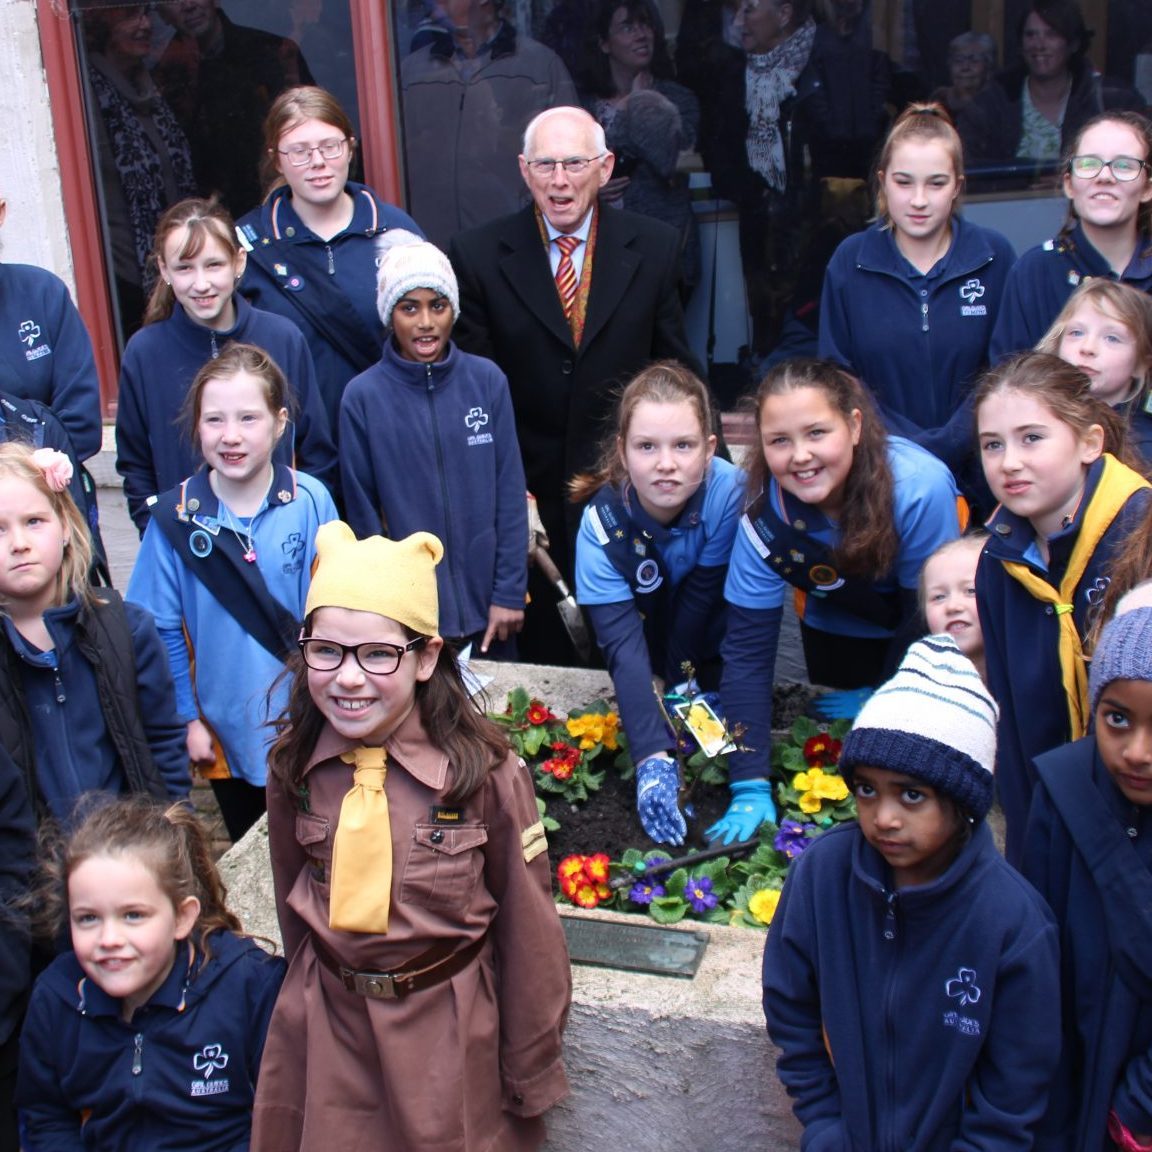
{"x": 564, "y": 397}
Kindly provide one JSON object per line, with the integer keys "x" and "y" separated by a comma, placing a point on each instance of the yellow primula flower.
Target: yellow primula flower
{"x": 594, "y": 728}
{"x": 763, "y": 904}
{"x": 816, "y": 786}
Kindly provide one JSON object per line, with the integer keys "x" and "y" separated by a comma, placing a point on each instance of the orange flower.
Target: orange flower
{"x": 596, "y": 868}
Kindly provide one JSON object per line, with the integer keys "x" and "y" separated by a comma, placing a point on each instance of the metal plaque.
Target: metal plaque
{"x": 639, "y": 948}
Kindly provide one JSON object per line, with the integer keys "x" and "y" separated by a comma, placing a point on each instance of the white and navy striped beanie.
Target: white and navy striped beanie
{"x": 934, "y": 721}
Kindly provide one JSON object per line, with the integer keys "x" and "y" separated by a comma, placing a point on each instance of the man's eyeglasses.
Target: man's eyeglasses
{"x": 377, "y": 659}
{"x": 573, "y": 165}
{"x": 1123, "y": 168}
{"x": 301, "y": 154}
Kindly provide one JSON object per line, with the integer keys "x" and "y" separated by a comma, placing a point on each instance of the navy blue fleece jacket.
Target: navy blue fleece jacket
{"x": 46, "y": 355}
{"x": 1089, "y": 852}
{"x": 919, "y": 1020}
{"x": 154, "y": 453}
{"x": 432, "y": 448}
{"x": 180, "y": 1077}
{"x": 1043, "y": 279}
{"x": 918, "y": 341}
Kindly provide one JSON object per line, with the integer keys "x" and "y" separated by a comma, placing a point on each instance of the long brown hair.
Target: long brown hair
{"x": 454, "y": 724}
{"x": 171, "y": 842}
{"x": 202, "y": 220}
{"x": 665, "y": 382}
{"x": 1065, "y": 391}
{"x": 869, "y": 542}
{"x": 292, "y": 107}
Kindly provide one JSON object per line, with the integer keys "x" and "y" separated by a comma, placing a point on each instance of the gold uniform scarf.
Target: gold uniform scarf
{"x": 362, "y": 849}
{"x": 1117, "y": 483}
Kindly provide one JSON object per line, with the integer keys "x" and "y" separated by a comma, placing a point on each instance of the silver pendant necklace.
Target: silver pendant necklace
{"x": 245, "y": 540}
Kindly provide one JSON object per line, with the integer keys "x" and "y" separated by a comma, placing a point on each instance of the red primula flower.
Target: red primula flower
{"x": 596, "y": 868}
{"x": 570, "y": 873}
{"x": 539, "y": 713}
{"x": 561, "y": 769}
{"x": 821, "y": 751}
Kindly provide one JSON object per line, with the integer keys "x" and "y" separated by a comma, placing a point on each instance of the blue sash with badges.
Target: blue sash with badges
{"x": 216, "y": 559}
{"x": 633, "y": 553}
{"x": 806, "y": 564}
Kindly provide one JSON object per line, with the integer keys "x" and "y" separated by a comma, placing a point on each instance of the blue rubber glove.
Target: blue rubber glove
{"x": 841, "y": 705}
{"x": 751, "y": 805}
{"x": 657, "y": 785}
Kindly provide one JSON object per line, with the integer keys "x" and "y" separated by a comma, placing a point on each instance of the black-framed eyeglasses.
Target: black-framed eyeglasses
{"x": 301, "y": 154}
{"x": 1123, "y": 168}
{"x": 573, "y": 165}
{"x": 378, "y": 658}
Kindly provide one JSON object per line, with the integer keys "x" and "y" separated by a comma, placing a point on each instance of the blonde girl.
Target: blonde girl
{"x": 908, "y": 305}
{"x": 429, "y": 980}
{"x": 148, "y": 1034}
{"x": 844, "y": 515}
{"x": 1055, "y": 457}
{"x": 1105, "y": 330}
{"x": 948, "y": 595}
{"x": 88, "y": 702}
{"x": 651, "y": 555}
{"x": 194, "y": 312}
{"x": 224, "y": 568}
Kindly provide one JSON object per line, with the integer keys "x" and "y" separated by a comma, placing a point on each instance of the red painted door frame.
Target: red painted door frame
{"x": 379, "y": 131}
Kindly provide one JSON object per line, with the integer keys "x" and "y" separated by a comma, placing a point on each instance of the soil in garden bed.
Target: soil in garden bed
{"x": 608, "y": 821}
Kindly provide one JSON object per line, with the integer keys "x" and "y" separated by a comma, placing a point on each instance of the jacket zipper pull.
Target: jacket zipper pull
{"x": 428, "y": 377}
{"x": 890, "y": 918}
{"x": 138, "y": 1055}
{"x": 331, "y": 260}
{"x": 60, "y": 696}
{"x": 212, "y": 340}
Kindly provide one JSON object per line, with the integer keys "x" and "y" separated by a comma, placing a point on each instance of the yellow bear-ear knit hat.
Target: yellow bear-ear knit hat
{"x": 393, "y": 578}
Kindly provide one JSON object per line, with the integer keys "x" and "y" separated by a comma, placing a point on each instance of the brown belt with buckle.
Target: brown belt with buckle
{"x": 425, "y": 971}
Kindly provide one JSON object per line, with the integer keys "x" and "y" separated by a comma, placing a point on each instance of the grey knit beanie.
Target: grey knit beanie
{"x": 934, "y": 721}
{"x": 408, "y": 263}
{"x": 1123, "y": 653}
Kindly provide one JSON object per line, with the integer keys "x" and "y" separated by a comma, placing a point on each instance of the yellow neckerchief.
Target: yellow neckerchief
{"x": 1116, "y": 485}
{"x": 580, "y": 308}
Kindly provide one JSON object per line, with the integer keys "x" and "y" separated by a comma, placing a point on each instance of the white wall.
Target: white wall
{"x": 34, "y": 232}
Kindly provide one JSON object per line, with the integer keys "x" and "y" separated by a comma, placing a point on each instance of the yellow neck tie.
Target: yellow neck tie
{"x": 1117, "y": 484}
{"x": 362, "y": 850}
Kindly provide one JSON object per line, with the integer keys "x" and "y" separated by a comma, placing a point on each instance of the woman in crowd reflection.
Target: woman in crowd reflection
{"x": 648, "y": 118}
{"x": 971, "y": 58}
{"x": 144, "y": 158}
{"x": 1028, "y": 114}
{"x": 312, "y": 243}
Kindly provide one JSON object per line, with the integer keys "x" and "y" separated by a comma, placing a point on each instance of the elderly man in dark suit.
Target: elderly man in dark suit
{"x": 571, "y": 301}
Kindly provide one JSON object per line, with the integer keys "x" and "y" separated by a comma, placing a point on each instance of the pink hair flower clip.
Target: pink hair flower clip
{"x": 57, "y": 468}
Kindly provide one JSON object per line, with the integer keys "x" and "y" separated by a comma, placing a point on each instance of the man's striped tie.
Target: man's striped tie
{"x": 566, "y": 273}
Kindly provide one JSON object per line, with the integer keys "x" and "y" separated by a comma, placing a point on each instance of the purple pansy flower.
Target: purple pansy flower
{"x": 792, "y": 838}
{"x": 700, "y": 895}
{"x": 644, "y": 893}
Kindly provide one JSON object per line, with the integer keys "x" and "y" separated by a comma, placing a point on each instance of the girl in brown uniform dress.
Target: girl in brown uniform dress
{"x": 428, "y": 981}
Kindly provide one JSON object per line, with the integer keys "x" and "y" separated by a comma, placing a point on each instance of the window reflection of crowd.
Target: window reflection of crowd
{"x": 783, "y": 103}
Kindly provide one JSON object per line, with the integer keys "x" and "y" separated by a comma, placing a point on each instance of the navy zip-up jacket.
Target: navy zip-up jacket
{"x": 74, "y": 750}
{"x": 46, "y": 355}
{"x": 311, "y": 277}
{"x": 1043, "y": 279}
{"x": 180, "y": 1077}
{"x": 1089, "y": 852}
{"x": 918, "y": 341}
{"x": 432, "y": 448}
{"x": 154, "y": 453}
{"x": 1021, "y": 641}
{"x": 920, "y": 1020}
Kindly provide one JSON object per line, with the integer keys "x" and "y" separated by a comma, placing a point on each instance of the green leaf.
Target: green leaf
{"x": 534, "y": 739}
{"x": 518, "y": 701}
{"x": 677, "y": 882}
{"x": 667, "y": 910}
{"x": 804, "y": 729}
